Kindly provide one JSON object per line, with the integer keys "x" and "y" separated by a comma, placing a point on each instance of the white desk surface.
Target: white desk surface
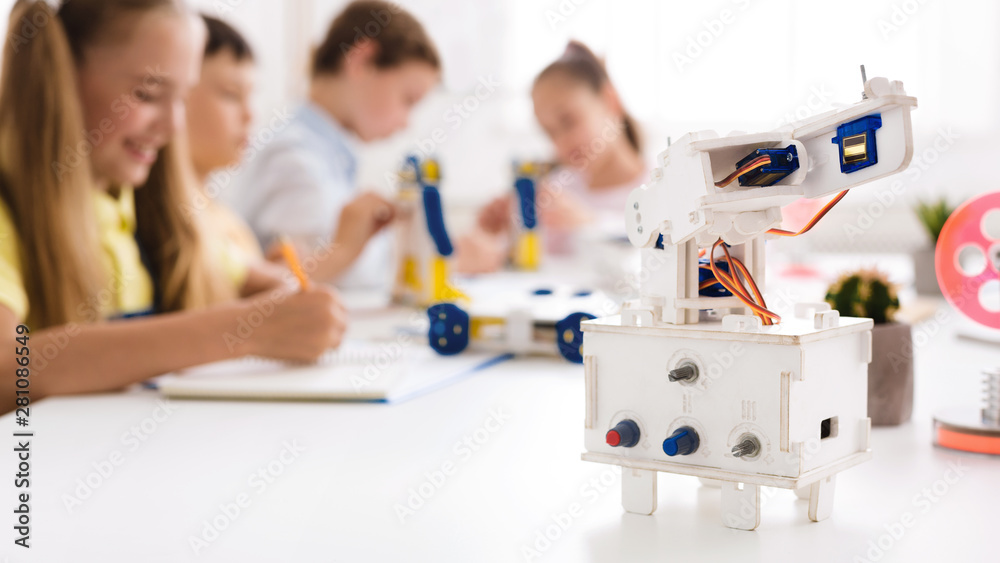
{"x": 335, "y": 501}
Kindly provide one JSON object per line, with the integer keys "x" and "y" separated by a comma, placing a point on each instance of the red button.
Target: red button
{"x": 613, "y": 438}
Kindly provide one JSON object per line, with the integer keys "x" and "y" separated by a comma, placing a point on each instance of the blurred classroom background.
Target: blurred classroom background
{"x": 726, "y": 65}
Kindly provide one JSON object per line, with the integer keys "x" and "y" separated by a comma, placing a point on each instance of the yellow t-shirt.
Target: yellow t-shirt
{"x": 129, "y": 287}
{"x": 233, "y": 231}
{"x": 129, "y": 282}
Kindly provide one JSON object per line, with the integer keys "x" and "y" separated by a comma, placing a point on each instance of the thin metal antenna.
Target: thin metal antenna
{"x": 864, "y": 80}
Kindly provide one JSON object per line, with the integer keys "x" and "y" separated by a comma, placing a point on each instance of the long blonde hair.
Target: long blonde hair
{"x": 41, "y": 121}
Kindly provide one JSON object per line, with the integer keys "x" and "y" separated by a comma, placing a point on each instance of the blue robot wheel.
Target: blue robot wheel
{"x": 569, "y": 336}
{"x": 449, "y": 330}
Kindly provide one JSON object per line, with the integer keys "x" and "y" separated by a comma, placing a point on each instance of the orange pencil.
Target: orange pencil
{"x": 292, "y": 260}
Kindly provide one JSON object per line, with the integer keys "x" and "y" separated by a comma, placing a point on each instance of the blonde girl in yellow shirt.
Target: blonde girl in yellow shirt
{"x": 91, "y": 104}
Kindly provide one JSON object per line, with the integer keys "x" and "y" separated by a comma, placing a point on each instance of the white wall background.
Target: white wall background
{"x": 752, "y": 64}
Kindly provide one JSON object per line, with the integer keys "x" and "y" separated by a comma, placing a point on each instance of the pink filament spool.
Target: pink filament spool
{"x": 966, "y": 231}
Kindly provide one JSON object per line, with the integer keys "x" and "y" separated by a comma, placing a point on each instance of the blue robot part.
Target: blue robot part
{"x": 413, "y": 161}
{"x": 569, "y": 336}
{"x": 684, "y": 441}
{"x": 435, "y": 221}
{"x": 716, "y": 289}
{"x": 856, "y": 142}
{"x": 526, "y": 195}
{"x": 783, "y": 162}
{"x": 433, "y": 210}
{"x": 449, "y": 331}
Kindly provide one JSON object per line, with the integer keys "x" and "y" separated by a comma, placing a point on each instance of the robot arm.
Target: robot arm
{"x": 708, "y": 188}
{"x": 813, "y": 158}
{"x": 434, "y": 213}
{"x": 426, "y": 178}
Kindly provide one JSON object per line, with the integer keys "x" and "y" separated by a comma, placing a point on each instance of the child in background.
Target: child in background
{"x": 92, "y": 220}
{"x": 303, "y": 183}
{"x": 219, "y": 115}
{"x": 599, "y": 152}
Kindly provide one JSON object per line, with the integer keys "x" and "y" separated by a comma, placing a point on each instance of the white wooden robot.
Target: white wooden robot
{"x": 697, "y": 376}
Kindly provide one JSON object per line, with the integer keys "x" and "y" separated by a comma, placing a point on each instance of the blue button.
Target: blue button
{"x": 683, "y": 441}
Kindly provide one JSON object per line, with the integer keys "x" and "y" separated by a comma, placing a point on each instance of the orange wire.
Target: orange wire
{"x": 737, "y": 278}
{"x": 742, "y": 269}
{"x": 740, "y": 292}
{"x": 753, "y": 285}
{"x": 728, "y": 283}
{"x": 747, "y": 278}
{"x": 812, "y": 222}
{"x": 752, "y": 165}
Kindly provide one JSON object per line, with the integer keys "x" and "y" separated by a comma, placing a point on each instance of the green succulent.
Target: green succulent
{"x": 932, "y": 215}
{"x": 864, "y": 293}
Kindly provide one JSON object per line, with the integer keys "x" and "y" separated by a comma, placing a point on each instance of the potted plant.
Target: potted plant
{"x": 932, "y": 215}
{"x": 868, "y": 293}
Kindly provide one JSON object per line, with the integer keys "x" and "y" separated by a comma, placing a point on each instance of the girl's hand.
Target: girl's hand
{"x": 479, "y": 253}
{"x": 299, "y": 328}
{"x": 562, "y": 211}
{"x": 496, "y": 216}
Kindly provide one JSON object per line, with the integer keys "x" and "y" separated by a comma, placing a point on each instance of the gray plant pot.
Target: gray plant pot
{"x": 890, "y": 375}
{"x": 924, "y": 275}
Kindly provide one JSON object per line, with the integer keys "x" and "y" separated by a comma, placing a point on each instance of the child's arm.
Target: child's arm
{"x": 360, "y": 220}
{"x": 479, "y": 252}
{"x": 266, "y": 276}
{"x": 497, "y": 216}
{"x": 110, "y": 355}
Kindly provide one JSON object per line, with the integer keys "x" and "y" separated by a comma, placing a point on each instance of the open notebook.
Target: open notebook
{"x": 357, "y": 371}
